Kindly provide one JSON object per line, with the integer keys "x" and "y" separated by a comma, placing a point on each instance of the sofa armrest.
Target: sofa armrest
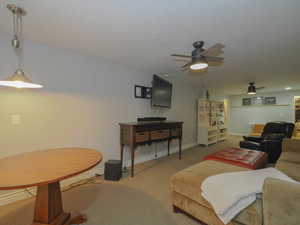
{"x": 281, "y": 202}
{"x": 291, "y": 145}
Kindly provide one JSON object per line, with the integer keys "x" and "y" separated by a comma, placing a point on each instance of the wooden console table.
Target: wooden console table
{"x": 45, "y": 169}
{"x": 140, "y": 133}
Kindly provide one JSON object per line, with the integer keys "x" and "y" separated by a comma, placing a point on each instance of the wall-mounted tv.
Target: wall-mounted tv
{"x": 161, "y": 92}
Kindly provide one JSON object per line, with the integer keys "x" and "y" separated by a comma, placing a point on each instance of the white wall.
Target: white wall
{"x": 82, "y": 103}
{"x": 242, "y": 117}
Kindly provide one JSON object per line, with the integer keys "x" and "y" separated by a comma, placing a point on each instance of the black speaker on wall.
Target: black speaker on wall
{"x": 113, "y": 170}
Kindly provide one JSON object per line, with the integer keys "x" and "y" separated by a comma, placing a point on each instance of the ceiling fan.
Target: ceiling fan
{"x": 252, "y": 89}
{"x": 200, "y": 58}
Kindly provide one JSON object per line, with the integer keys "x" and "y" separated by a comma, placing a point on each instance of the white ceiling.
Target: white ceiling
{"x": 261, "y": 36}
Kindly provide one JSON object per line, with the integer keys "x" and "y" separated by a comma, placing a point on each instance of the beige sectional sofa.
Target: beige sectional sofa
{"x": 281, "y": 200}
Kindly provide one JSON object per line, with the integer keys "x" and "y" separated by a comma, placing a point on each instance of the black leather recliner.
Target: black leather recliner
{"x": 270, "y": 140}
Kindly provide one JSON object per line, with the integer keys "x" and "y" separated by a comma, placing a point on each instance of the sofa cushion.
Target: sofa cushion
{"x": 289, "y": 168}
{"x": 293, "y": 157}
{"x": 250, "y": 216}
{"x": 188, "y": 182}
{"x": 281, "y": 202}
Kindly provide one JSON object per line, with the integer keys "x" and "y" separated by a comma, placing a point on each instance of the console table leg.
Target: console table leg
{"x": 121, "y": 154}
{"x": 179, "y": 141}
{"x": 132, "y": 161}
{"x": 168, "y": 147}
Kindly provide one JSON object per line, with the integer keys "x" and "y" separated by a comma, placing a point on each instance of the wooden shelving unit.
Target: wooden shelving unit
{"x": 212, "y": 122}
{"x": 297, "y": 117}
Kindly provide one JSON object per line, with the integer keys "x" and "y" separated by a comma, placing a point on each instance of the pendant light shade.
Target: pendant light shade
{"x": 19, "y": 80}
{"x": 251, "y": 89}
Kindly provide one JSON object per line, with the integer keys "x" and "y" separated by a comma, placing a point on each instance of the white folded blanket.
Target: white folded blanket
{"x": 230, "y": 193}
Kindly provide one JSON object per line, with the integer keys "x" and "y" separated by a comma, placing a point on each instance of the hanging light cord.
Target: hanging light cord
{"x": 14, "y": 25}
{"x": 20, "y": 52}
{"x": 17, "y": 30}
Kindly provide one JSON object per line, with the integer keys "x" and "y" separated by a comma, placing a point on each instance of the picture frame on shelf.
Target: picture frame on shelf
{"x": 270, "y": 101}
{"x": 257, "y": 100}
{"x": 246, "y": 101}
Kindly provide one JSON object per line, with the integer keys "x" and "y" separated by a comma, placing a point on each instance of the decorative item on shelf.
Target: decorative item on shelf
{"x": 207, "y": 95}
{"x": 18, "y": 79}
{"x": 142, "y": 92}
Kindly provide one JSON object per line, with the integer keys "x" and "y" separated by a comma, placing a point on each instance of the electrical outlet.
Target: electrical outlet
{"x": 15, "y": 119}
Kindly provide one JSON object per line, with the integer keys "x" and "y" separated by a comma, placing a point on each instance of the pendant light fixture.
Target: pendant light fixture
{"x": 18, "y": 79}
{"x": 251, "y": 89}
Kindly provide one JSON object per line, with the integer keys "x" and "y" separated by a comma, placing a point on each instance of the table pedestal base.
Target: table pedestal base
{"x": 49, "y": 209}
{"x": 63, "y": 219}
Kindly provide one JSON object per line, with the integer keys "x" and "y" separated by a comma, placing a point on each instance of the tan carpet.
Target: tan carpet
{"x": 142, "y": 200}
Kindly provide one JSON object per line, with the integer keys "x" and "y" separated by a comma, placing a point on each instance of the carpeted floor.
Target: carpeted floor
{"x": 142, "y": 200}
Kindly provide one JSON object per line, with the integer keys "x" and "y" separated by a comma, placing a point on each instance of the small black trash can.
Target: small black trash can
{"x": 113, "y": 170}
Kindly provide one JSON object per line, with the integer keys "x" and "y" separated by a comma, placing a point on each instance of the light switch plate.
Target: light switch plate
{"x": 15, "y": 119}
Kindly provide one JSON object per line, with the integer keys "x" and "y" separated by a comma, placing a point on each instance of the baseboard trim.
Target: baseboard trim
{"x": 163, "y": 154}
{"x": 237, "y": 134}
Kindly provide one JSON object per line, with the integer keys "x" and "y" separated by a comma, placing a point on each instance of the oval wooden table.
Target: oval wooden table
{"x": 45, "y": 169}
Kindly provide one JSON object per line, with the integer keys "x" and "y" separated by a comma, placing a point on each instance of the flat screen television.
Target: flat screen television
{"x": 161, "y": 92}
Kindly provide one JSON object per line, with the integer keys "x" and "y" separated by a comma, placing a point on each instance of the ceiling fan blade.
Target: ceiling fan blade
{"x": 186, "y": 65}
{"x": 214, "y": 59}
{"x": 259, "y": 88}
{"x": 184, "y": 56}
{"x": 210, "y": 63}
{"x": 214, "y": 50}
{"x": 181, "y": 60}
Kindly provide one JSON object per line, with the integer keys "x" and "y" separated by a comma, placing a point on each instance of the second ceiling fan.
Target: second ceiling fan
{"x": 252, "y": 88}
{"x": 200, "y": 58}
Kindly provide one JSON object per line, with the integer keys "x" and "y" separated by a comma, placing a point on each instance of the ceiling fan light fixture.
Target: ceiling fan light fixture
{"x": 199, "y": 66}
{"x": 19, "y": 80}
{"x": 251, "y": 90}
